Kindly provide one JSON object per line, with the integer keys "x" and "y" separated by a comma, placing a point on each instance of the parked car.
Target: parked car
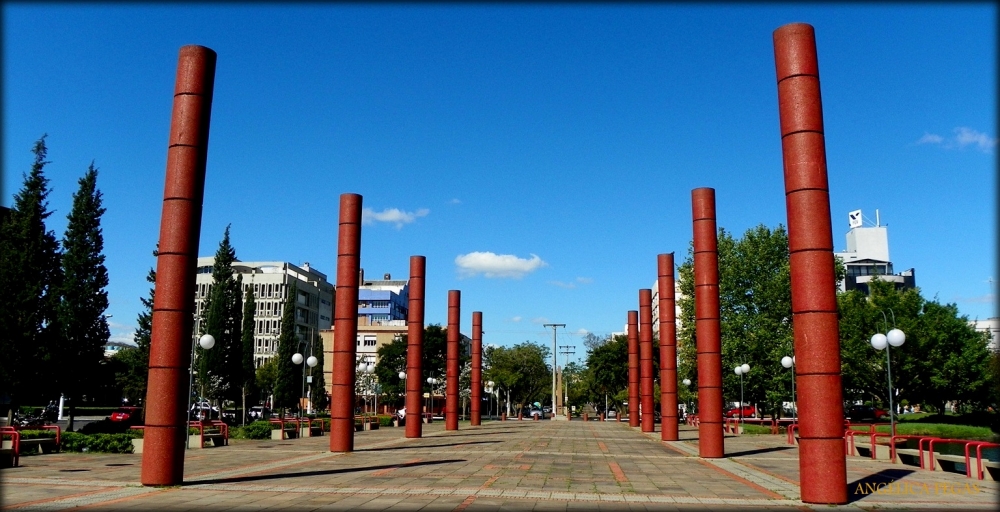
{"x": 749, "y": 411}
{"x": 127, "y": 415}
{"x": 865, "y": 413}
{"x": 612, "y": 413}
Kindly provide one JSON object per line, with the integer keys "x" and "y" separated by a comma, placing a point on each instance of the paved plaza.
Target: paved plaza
{"x": 499, "y": 466}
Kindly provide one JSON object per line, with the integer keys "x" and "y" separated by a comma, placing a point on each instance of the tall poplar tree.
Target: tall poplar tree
{"x": 84, "y": 300}
{"x": 319, "y": 400}
{"x": 248, "y": 374}
{"x": 223, "y": 320}
{"x": 287, "y": 386}
{"x": 29, "y": 272}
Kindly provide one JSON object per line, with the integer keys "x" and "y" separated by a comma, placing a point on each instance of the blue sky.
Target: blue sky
{"x": 567, "y": 138}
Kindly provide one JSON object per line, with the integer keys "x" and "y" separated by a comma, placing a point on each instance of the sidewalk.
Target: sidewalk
{"x": 499, "y": 466}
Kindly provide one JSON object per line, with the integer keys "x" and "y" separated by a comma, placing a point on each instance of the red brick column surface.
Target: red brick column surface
{"x": 646, "y": 360}
{"x": 176, "y": 264}
{"x": 668, "y": 348}
{"x": 454, "y": 340}
{"x": 822, "y": 464}
{"x": 415, "y": 347}
{"x": 477, "y": 367}
{"x": 345, "y": 330}
{"x": 633, "y": 368}
{"x": 706, "y": 305}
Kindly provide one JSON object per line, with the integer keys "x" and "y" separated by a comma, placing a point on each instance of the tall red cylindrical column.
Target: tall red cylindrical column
{"x": 822, "y": 464}
{"x": 633, "y": 368}
{"x": 646, "y": 360}
{"x": 454, "y": 340}
{"x": 706, "y": 306}
{"x": 668, "y": 347}
{"x": 476, "y": 376}
{"x": 415, "y": 347}
{"x": 176, "y": 264}
{"x": 345, "y": 327}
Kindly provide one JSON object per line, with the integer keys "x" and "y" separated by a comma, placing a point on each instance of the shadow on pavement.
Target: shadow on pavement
{"x": 859, "y": 489}
{"x": 483, "y": 433}
{"x": 755, "y": 452}
{"x": 421, "y": 446}
{"x": 276, "y": 476}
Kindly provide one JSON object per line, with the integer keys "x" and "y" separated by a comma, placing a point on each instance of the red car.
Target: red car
{"x": 749, "y": 411}
{"x": 130, "y": 415}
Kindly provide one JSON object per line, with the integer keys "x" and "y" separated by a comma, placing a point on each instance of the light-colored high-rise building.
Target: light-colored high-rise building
{"x": 271, "y": 281}
{"x": 867, "y": 256}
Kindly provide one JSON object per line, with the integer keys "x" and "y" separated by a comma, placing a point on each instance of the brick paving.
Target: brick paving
{"x": 499, "y": 466}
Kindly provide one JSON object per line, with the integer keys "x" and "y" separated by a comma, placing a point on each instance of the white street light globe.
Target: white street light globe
{"x": 297, "y": 358}
{"x": 879, "y": 341}
{"x": 361, "y": 367}
{"x": 686, "y": 382}
{"x": 206, "y": 341}
{"x": 896, "y": 337}
{"x": 738, "y": 370}
{"x": 489, "y": 383}
{"x": 786, "y": 362}
{"x": 370, "y": 368}
{"x": 746, "y": 368}
{"x": 312, "y": 361}
{"x": 402, "y": 375}
{"x": 430, "y": 380}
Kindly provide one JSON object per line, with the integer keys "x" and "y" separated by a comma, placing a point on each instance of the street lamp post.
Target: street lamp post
{"x": 489, "y": 391}
{"x": 311, "y": 362}
{"x": 430, "y": 407}
{"x": 789, "y": 362}
{"x": 207, "y": 341}
{"x": 687, "y": 403}
{"x": 368, "y": 369}
{"x": 740, "y": 370}
{"x": 402, "y": 377}
{"x": 896, "y": 338}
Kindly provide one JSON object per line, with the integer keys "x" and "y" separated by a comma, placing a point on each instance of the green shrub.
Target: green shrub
{"x": 255, "y": 430}
{"x": 942, "y": 430}
{"x": 37, "y": 434}
{"x": 135, "y": 433}
{"x": 104, "y": 443}
{"x": 385, "y": 420}
{"x": 755, "y": 429}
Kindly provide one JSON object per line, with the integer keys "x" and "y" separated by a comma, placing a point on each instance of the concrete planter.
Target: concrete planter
{"x": 137, "y": 446}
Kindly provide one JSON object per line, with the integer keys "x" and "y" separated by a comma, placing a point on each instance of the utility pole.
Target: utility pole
{"x": 566, "y": 350}
{"x": 554, "y": 362}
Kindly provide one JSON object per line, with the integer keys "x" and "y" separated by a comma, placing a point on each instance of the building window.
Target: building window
{"x": 370, "y": 340}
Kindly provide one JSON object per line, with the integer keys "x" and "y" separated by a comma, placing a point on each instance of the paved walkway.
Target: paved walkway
{"x": 499, "y": 466}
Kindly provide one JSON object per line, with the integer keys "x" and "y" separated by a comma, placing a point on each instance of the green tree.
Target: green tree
{"x": 248, "y": 374}
{"x": 943, "y": 359}
{"x": 220, "y": 368}
{"x": 267, "y": 376}
{"x": 392, "y": 360}
{"x": 608, "y": 363}
{"x": 133, "y": 367}
{"x": 84, "y": 328}
{"x": 319, "y": 398}
{"x": 287, "y": 385}
{"x": 755, "y": 313}
{"x": 521, "y": 370}
{"x": 29, "y": 275}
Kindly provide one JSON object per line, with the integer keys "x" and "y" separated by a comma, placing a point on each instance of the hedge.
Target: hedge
{"x": 103, "y": 443}
{"x": 255, "y": 430}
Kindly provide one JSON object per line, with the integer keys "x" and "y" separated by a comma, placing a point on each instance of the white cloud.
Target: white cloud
{"x": 497, "y": 265}
{"x": 455, "y": 201}
{"x": 581, "y": 332}
{"x": 930, "y": 138}
{"x": 515, "y": 319}
{"x": 392, "y": 215}
{"x": 964, "y": 136}
{"x": 540, "y": 320}
{"x": 584, "y": 280}
{"x": 563, "y": 285}
{"x": 967, "y": 136}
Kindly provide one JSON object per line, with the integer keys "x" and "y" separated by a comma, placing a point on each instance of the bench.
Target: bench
{"x": 282, "y": 432}
{"x": 18, "y": 445}
{"x": 214, "y": 430}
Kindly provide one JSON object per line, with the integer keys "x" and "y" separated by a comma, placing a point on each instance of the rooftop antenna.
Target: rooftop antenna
{"x": 876, "y": 218}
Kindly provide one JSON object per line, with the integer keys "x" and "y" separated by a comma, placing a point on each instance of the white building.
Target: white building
{"x": 991, "y": 325}
{"x": 270, "y": 281}
{"x": 867, "y": 256}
